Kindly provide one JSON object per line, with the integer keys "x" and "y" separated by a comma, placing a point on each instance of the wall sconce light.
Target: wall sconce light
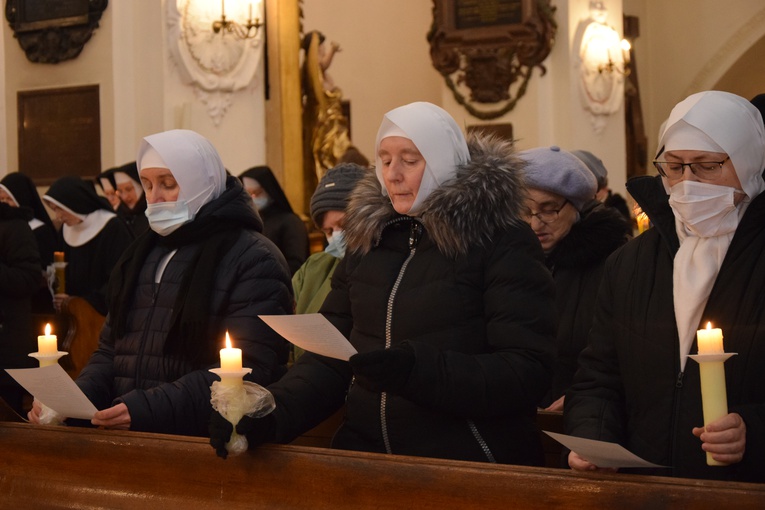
{"x": 242, "y": 31}
{"x": 604, "y": 62}
{"x": 603, "y": 50}
{"x": 613, "y": 67}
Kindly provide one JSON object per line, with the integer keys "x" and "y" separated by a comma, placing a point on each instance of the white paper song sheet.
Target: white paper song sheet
{"x": 53, "y": 387}
{"x": 601, "y": 453}
{"x": 312, "y": 332}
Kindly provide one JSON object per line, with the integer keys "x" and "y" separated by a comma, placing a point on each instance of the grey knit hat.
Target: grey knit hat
{"x": 596, "y": 166}
{"x": 334, "y": 189}
{"x": 557, "y": 171}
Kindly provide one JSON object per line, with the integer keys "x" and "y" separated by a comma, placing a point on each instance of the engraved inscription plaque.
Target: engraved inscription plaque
{"x": 59, "y": 133}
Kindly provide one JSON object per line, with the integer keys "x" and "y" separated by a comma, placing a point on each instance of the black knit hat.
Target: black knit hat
{"x": 334, "y": 189}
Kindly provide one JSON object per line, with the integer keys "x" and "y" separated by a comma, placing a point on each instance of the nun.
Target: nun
{"x": 702, "y": 262}
{"x": 18, "y": 190}
{"x": 132, "y": 207}
{"x": 92, "y": 238}
{"x": 281, "y": 224}
{"x": 444, "y": 293}
{"x": 105, "y": 181}
{"x": 202, "y": 270}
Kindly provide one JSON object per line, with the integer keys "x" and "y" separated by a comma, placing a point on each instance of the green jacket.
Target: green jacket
{"x": 312, "y": 283}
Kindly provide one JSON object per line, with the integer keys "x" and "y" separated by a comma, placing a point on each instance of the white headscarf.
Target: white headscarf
{"x": 193, "y": 161}
{"x": 717, "y": 122}
{"x": 122, "y": 178}
{"x": 438, "y": 138}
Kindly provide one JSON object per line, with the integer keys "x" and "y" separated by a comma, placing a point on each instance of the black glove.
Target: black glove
{"x": 257, "y": 430}
{"x": 385, "y": 369}
{"x": 220, "y": 433}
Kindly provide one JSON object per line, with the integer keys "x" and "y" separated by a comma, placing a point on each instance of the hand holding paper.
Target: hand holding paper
{"x": 53, "y": 386}
{"x": 601, "y": 453}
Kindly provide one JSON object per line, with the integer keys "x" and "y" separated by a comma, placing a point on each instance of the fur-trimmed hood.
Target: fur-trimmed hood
{"x": 485, "y": 197}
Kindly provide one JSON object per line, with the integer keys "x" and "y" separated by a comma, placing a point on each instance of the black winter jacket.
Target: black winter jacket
{"x": 168, "y": 395}
{"x": 577, "y": 264}
{"x": 19, "y": 280}
{"x": 629, "y": 388}
{"x": 464, "y": 284}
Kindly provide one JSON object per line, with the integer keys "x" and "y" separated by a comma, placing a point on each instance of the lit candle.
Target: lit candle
{"x": 714, "y": 399}
{"x": 710, "y": 340}
{"x": 230, "y": 357}
{"x": 47, "y": 344}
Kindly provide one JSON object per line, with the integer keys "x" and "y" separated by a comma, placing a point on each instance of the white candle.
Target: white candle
{"x": 714, "y": 398}
{"x": 47, "y": 344}
{"x": 710, "y": 340}
{"x": 230, "y": 357}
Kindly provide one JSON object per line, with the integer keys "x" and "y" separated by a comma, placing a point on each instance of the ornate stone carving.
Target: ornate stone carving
{"x": 53, "y": 30}
{"x": 490, "y": 47}
{"x": 216, "y": 65}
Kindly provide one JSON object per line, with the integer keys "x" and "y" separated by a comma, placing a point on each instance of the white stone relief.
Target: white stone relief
{"x": 216, "y": 65}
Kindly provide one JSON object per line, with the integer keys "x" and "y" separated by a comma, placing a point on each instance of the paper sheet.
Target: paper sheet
{"x": 53, "y": 387}
{"x": 312, "y": 332}
{"x": 601, "y": 453}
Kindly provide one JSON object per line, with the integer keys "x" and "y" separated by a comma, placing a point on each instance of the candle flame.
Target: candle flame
{"x": 228, "y": 341}
{"x": 709, "y": 325}
{"x": 47, "y": 330}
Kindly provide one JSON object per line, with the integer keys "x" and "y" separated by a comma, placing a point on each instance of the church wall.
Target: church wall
{"x": 686, "y": 46}
{"x": 93, "y": 66}
{"x": 385, "y": 63}
{"x": 384, "y": 60}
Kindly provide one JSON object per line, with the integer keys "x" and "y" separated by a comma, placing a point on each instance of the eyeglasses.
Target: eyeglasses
{"x": 546, "y": 217}
{"x": 706, "y": 170}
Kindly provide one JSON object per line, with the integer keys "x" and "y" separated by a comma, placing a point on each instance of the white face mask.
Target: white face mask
{"x": 706, "y": 210}
{"x": 166, "y": 217}
{"x": 336, "y": 246}
{"x": 261, "y": 202}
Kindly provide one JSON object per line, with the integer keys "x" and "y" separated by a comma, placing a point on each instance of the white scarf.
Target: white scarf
{"x": 438, "y": 138}
{"x": 705, "y": 221}
{"x": 192, "y": 160}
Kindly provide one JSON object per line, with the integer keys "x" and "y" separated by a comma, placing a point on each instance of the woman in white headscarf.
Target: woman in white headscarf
{"x": 202, "y": 269}
{"x": 444, "y": 293}
{"x": 704, "y": 260}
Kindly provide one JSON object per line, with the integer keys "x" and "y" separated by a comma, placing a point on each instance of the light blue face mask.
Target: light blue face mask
{"x": 166, "y": 217}
{"x": 261, "y": 202}
{"x": 336, "y": 246}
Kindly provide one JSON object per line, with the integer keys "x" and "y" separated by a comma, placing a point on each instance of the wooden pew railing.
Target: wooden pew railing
{"x": 66, "y": 467}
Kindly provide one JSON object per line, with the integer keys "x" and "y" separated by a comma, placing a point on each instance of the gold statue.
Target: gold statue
{"x": 325, "y": 127}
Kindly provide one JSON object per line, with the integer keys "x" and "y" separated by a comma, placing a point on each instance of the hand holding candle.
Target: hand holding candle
{"x": 712, "y": 374}
{"x": 230, "y": 397}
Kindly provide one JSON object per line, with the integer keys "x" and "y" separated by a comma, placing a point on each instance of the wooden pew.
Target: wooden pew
{"x": 65, "y": 467}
